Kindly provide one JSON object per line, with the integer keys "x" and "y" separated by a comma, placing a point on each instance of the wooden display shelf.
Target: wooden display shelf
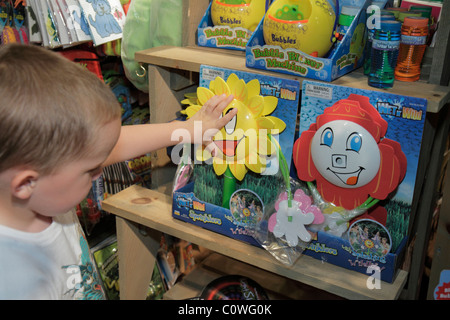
{"x": 136, "y": 207}
{"x": 172, "y": 72}
{"x": 191, "y": 58}
{"x": 215, "y": 265}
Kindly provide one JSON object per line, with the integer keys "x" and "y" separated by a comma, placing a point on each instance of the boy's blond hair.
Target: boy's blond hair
{"x": 50, "y": 108}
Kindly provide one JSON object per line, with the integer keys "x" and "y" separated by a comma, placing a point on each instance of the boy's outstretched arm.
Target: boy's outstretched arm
{"x": 136, "y": 140}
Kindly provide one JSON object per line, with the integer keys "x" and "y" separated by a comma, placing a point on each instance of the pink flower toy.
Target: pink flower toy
{"x": 292, "y": 216}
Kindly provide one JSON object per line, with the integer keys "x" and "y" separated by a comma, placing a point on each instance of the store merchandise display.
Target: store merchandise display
{"x": 349, "y": 197}
{"x": 226, "y": 188}
{"x": 275, "y": 176}
{"x": 352, "y": 183}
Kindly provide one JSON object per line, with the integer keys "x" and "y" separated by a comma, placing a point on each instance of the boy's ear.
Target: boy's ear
{"x": 24, "y": 183}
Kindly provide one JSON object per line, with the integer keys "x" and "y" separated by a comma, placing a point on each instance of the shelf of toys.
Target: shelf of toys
{"x": 136, "y": 207}
{"x": 174, "y": 72}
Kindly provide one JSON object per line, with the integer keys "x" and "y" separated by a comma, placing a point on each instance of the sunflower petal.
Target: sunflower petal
{"x": 191, "y": 110}
{"x": 219, "y": 167}
{"x": 278, "y": 124}
{"x": 264, "y": 123}
{"x": 270, "y": 103}
{"x": 204, "y": 95}
{"x": 253, "y": 88}
{"x": 238, "y": 170}
{"x": 221, "y": 87}
{"x": 256, "y": 163}
{"x": 190, "y": 101}
{"x": 232, "y": 79}
{"x": 190, "y": 95}
{"x": 256, "y": 105}
{"x": 239, "y": 91}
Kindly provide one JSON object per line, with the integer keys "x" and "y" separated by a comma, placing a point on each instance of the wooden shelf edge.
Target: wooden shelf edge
{"x": 191, "y": 58}
{"x": 154, "y": 210}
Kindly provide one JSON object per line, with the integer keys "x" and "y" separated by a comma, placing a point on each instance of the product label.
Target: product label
{"x": 414, "y": 40}
{"x": 318, "y": 91}
{"x": 385, "y": 45}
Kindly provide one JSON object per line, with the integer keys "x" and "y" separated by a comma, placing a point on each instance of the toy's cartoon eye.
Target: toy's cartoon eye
{"x": 354, "y": 142}
{"x": 231, "y": 125}
{"x": 327, "y": 137}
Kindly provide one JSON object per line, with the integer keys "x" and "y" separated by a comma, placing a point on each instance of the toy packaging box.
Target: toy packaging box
{"x": 200, "y": 187}
{"x": 355, "y": 144}
{"x": 309, "y": 44}
{"x": 229, "y": 24}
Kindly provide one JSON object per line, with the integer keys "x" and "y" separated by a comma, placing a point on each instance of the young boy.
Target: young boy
{"x": 59, "y": 125}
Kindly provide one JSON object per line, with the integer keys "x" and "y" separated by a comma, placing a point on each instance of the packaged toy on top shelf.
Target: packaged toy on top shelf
{"x": 358, "y": 152}
{"x": 299, "y": 37}
{"x": 227, "y": 187}
{"x": 228, "y": 24}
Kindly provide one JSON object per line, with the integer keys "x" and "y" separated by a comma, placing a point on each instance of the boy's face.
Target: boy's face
{"x": 61, "y": 191}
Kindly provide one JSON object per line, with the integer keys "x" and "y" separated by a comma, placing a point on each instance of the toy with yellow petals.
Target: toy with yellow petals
{"x": 244, "y": 143}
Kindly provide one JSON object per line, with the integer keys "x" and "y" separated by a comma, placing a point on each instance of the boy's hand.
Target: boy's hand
{"x": 210, "y": 116}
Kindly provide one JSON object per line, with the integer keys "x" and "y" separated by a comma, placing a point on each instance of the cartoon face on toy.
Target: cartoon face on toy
{"x": 243, "y": 143}
{"x": 345, "y": 154}
{"x": 235, "y": 140}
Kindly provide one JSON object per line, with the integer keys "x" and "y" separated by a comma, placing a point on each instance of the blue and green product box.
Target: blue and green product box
{"x": 346, "y": 54}
{"x": 376, "y": 238}
{"x": 405, "y": 118}
{"x": 200, "y": 200}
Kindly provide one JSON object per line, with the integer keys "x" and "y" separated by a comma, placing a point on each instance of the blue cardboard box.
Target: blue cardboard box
{"x": 360, "y": 246}
{"x": 199, "y": 199}
{"x": 371, "y": 243}
{"x": 187, "y": 207}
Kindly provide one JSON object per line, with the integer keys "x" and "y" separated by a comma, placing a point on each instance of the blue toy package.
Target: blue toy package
{"x": 228, "y": 191}
{"x": 358, "y": 151}
{"x": 317, "y": 51}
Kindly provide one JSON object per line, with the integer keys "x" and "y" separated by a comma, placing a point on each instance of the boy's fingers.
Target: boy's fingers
{"x": 222, "y": 103}
{"x": 227, "y": 118}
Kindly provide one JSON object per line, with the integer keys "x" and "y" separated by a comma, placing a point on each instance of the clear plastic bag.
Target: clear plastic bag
{"x": 277, "y": 244}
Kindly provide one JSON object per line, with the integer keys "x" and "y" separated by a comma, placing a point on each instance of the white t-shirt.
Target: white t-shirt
{"x": 53, "y": 264}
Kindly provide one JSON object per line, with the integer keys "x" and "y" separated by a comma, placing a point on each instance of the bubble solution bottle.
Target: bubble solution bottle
{"x": 384, "y": 53}
{"x": 414, "y": 34}
{"x": 368, "y": 47}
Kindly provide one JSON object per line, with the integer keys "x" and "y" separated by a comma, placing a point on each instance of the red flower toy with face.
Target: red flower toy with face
{"x": 347, "y": 155}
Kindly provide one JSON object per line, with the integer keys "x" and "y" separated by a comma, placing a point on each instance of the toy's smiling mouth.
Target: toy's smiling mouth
{"x": 349, "y": 178}
{"x": 228, "y": 147}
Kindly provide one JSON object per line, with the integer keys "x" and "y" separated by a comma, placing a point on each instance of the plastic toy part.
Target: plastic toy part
{"x": 238, "y": 13}
{"x": 291, "y": 217}
{"x": 348, "y": 156}
{"x": 243, "y": 143}
{"x": 345, "y": 154}
{"x": 289, "y": 13}
{"x": 305, "y": 25}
